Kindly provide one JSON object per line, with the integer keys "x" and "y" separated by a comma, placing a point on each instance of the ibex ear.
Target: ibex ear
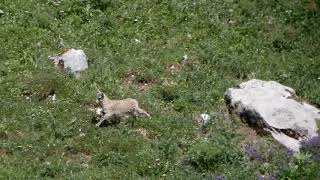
{"x": 100, "y": 95}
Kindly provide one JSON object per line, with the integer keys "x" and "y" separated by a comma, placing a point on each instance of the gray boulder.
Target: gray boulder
{"x": 73, "y": 61}
{"x": 275, "y": 108}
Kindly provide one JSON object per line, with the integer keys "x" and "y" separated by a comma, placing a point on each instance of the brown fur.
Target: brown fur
{"x": 120, "y": 109}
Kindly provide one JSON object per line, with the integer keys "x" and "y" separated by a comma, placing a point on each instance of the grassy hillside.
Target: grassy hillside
{"x": 226, "y": 42}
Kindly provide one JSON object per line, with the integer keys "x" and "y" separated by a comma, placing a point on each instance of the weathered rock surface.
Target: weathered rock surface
{"x": 73, "y": 61}
{"x": 273, "y": 107}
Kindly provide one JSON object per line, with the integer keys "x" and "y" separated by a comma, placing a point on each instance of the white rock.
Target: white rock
{"x": 272, "y": 106}
{"x": 73, "y": 61}
{"x": 185, "y": 57}
{"x": 205, "y": 118}
{"x": 53, "y": 97}
{"x": 287, "y": 141}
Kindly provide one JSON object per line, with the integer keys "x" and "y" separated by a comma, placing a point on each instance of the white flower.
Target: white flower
{"x": 85, "y": 165}
{"x": 54, "y": 97}
{"x": 137, "y": 40}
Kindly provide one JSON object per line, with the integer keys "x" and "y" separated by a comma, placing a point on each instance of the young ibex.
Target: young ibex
{"x": 117, "y": 109}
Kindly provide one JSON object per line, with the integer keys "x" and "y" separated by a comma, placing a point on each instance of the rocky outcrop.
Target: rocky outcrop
{"x": 275, "y": 108}
{"x": 72, "y": 61}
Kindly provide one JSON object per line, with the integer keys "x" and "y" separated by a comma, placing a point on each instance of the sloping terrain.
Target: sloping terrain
{"x": 177, "y": 58}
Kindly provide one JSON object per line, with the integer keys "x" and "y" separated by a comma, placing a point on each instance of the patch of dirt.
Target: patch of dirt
{"x": 197, "y": 120}
{"x": 81, "y": 158}
{"x": 174, "y": 68}
{"x": 144, "y": 133}
{"x": 144, "y": 86}
{"x": 250, "y": 136}
{"x": 39, "y": 96}
{"x": 73, "y": 155}
{"x": 135, "y": 79}
{"x": 131, "y": 77}
{"x": 91, "y": 105}
{"x": 312, "y": 6}
{"x": 4, "y": 152}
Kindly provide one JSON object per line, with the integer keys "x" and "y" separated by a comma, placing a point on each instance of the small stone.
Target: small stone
{"x": 54, "y": 97}
{"x": 185, "y": 57}
{"x": 205, "y": 118}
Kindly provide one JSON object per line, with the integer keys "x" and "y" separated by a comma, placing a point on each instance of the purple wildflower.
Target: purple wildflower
{"x": 264, "y": 177}
{"x": 289, "y": 153}
{"x": 219, "y": 178}
{"x": 312, "y": 145}
{"x": 251, "y": 152}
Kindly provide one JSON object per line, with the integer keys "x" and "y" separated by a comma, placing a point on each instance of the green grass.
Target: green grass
{"x": 226, "y": 42}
